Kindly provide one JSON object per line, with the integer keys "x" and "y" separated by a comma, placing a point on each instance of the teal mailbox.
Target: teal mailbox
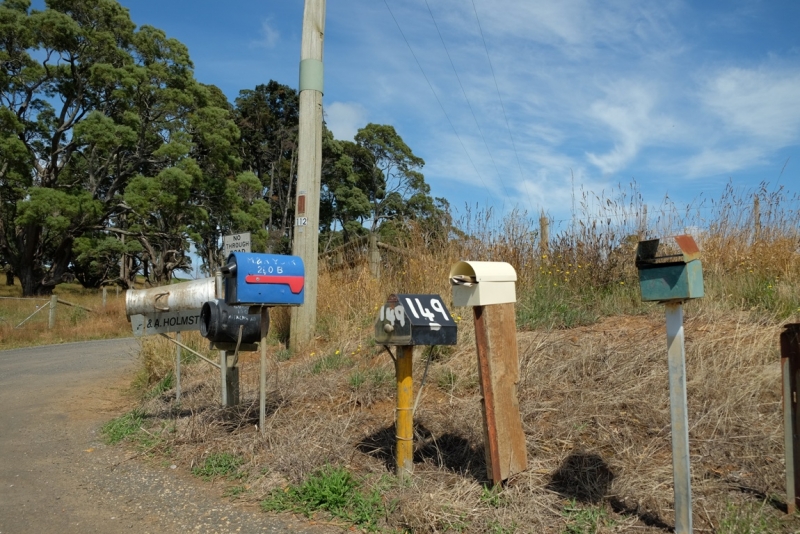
{"x": 669, "y": 277}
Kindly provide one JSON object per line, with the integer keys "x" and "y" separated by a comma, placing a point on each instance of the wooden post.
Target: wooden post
{"x": 405, "y": 411}
{"x": 544, "y": 233}
{"x": 305, "y": 241}
{"x": 790, "y": 369}
{"x": 105, "y": 295}
{"x": 498, "y": 373}
{"x": 756, "y": 218}
{"x": 374, "y": 257}
{"x": 262, "y": 388}
{"x": 52, "y": 320}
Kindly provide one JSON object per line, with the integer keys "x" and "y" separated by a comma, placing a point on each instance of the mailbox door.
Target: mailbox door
{"x": 411, "y": 319}
{"x": 266, "y": 279}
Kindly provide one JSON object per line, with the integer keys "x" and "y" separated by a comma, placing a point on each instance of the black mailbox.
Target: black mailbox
{"x": 220, "y": 323}
{"x": 415, "y": 320}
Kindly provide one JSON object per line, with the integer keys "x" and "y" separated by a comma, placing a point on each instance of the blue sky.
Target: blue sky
{"x": 528, "y": 96}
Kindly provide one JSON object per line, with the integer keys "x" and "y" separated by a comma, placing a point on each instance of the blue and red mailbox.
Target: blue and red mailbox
{"x": 264, "y": 279}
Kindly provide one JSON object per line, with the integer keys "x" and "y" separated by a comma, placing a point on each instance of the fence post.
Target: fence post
{"x": 374, "y": 257}
{"x": 105, "y": 295}
{"x": 544, "y": 233}
{"x": 53, "y": 302}
{"x": 790, "y": 370}
{"x": 756, "y": 218}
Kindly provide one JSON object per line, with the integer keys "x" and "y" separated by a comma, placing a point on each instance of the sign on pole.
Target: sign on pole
{"x": 235, "y": 243}
{"x": 165, "y": 322}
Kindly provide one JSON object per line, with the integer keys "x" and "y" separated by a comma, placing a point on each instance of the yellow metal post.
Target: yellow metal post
{"x": 405, "y": 414}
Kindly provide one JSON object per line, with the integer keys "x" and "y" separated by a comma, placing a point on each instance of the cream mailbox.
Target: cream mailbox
{"x": 481, "y": 283}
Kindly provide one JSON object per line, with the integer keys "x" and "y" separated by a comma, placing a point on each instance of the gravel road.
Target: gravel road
{"x": 56, "y": 475}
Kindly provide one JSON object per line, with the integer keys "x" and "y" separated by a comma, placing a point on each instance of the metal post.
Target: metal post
{"x": 790, "y": 367}
{"x": 680, "y": 418}
{"x": 405, "y": 413}
{"x": 52, "y": 321}
{"x": 262, "y": 387}
{"x": 177, "y": 367}
{"x": 223, "y": 374}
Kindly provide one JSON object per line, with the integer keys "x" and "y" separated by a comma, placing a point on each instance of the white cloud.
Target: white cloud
{"x": 344, "y": 119}
{"x": 269, "y": 35}
{"x": 759, "y": 102}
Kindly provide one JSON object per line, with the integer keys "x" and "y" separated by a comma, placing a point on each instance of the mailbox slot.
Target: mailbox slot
{"x": 264, "y": 279}
{"x": 481, "y": 283}
{"x": 407, "y": 319}
{"x": 669, "y": 277}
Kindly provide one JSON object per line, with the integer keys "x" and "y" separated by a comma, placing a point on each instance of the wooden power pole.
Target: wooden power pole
{"x": 309, "y": 169}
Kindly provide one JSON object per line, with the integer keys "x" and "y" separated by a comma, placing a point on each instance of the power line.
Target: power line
{"x": 499, "y": 177}
{"x": 437, "y": 98}
{"x": 502, "y": 106}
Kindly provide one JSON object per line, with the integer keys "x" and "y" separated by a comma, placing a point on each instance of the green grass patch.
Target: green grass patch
{"x": 122, "y": 427}
{"x": 334, "y": 490}
{"x": 748, "y": 518}
{"x": 585, "y": 520}
{"x": 166, "y": 383}
{"x": 331, "y": 362}
{"x": 221, "y": 464}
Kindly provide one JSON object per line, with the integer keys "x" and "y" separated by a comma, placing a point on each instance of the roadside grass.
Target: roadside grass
{"x": 334, "y": 490}
{"x": 593, "y": 388}
{"x": 124, "y": 426}
{"x": 72, "y": 323}
{"x": 219, "y": 464}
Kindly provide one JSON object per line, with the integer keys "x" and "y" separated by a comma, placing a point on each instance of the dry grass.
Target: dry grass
{"x": 593, "y": 390}
{"x": 72, "y": 323}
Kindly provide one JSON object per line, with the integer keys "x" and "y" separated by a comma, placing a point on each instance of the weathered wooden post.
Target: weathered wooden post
{"x": 105, "y": 295}
{"x": 672, "y": 279}
{"x": 404, "y": 321}
{"x": 51, "y": 323}
{"x": 489, "y": 288}
{"x": 374, "y": 257}
{"x": 790, "y": 369}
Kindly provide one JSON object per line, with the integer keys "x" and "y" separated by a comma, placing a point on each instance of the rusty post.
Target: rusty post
{"x": 790, "y": 369}
{"x": 498, "y": 374}
{"x": 492, "y": 449}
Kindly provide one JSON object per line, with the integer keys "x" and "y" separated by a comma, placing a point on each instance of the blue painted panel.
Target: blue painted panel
{"x": 264, "y": 279}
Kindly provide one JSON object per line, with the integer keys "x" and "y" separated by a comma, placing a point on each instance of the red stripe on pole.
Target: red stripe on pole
{"x": 295, "y": 283}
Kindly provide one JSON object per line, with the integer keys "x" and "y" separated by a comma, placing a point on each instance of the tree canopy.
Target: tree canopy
{"x": 114, "y": 158}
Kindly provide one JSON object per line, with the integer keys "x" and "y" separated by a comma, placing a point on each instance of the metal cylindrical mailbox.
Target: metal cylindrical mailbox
{"x": 220, "y": 323}
{"x": 176, "y": 297}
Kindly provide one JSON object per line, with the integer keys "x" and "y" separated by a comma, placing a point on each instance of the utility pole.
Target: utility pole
{"x": 309, "y": 169}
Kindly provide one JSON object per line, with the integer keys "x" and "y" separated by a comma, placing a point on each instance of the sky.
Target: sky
{"x": 523, "y": 104}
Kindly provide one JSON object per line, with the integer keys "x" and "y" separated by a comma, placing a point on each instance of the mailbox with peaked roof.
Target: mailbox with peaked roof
{"x": 480, "y": 283}
{"x": 415, "y": 320}
{"x": 264, "y": 279}
{"x": 672, "y": 276}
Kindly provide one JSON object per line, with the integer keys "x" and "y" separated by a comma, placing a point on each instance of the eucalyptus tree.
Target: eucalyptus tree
{"x": 268, "y": 118}
{"x": 96, "y": 114}
{"x": 374, "y": 184}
